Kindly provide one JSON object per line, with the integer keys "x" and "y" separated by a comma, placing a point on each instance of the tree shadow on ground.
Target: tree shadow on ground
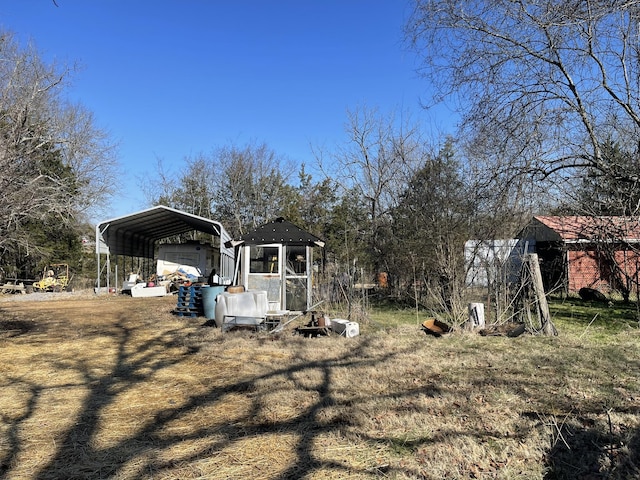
{"x": 582, "y": 450}
{"x": 16, "y": 328}
{"x": 78, "y": 456}
{"x": 135, "y": 364}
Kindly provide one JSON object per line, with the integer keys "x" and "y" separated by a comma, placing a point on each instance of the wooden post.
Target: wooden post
{"x": 543, "y": 307}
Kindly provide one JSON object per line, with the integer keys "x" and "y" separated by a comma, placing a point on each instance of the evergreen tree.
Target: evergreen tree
{"x": 431, "y": 225}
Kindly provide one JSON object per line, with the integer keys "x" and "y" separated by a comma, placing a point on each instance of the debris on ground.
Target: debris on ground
{"x": 509, "y": 329}
{"x": 435, "y": 327}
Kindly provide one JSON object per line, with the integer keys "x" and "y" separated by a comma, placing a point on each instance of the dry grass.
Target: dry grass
{"x": 115, "y": 387}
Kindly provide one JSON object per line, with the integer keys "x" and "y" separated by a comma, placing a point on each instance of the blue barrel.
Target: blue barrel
{"x": 209, "y": 295}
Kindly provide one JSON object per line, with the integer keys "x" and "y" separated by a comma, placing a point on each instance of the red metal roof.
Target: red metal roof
{"x": 584, "y": 228}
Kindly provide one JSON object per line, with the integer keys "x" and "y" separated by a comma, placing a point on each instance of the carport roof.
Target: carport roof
{"x": 135, "y": 234}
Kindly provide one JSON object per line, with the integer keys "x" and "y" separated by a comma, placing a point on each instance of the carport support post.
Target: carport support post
{"x": 107, "y": 265}
{"x": 98, "y": 259}
{"x": 98, "y": 253}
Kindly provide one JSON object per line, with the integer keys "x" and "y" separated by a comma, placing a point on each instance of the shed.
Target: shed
{"x": 585, "y": 251}
{"x": 277, "y": 257}
{"x": 488, "y": 262}
{"x": 136, "y": 235}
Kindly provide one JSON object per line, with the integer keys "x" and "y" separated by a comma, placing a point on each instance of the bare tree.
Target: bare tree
{"x": 54, "y": 162}
{"x": 246, "y": 186}
{"x": 379, "y": 158}
{"x": 161, "y": 187}
{"x": 251, "y": 186}
{"x": 541, "y": 84}
{"x": 91, "y": 154}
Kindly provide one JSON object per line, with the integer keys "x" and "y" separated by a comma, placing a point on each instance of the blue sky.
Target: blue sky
{"x": 170, "y": 79}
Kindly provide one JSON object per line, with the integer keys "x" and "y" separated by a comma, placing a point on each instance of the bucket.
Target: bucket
{"x": 209, "y": 295}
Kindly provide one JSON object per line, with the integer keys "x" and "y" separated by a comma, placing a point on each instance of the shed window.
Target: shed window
{"x": 296, "y": 260}
{"x": 264, "y": 260}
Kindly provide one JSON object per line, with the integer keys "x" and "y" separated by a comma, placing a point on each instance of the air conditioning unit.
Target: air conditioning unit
{"x": 345, "y": 327}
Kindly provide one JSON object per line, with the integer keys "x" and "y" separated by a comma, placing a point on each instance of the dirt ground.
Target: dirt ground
{"x": 67, "y": 312}
{"x": 47, "y": 301}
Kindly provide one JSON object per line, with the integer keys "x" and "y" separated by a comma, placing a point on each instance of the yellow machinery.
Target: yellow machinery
{"x": 55, "y": 278}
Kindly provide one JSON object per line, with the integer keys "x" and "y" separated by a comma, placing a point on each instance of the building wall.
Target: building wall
{"x": 488, "y": 261}
{"x": 589, "y": 268}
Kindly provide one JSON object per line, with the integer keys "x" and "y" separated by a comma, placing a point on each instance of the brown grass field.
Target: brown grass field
{"x": 113, "y": 387}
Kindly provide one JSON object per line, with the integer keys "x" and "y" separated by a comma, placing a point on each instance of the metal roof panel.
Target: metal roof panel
{"x": 135, "y": 234}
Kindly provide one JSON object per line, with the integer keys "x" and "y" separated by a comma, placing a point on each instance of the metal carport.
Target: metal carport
{"x": 136, "y": 234}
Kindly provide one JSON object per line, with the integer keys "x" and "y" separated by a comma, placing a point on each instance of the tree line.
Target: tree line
{"x": 389, "y": 203}
{"x": 547, "y": 94}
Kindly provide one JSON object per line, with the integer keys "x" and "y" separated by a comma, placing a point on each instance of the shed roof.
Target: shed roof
{"x": 135, "y": 234}
{"x": 576, "y": 229}
{"x": 280, "y": 231}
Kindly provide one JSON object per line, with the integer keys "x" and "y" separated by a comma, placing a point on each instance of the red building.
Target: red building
{"x": 580, "y": 251}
